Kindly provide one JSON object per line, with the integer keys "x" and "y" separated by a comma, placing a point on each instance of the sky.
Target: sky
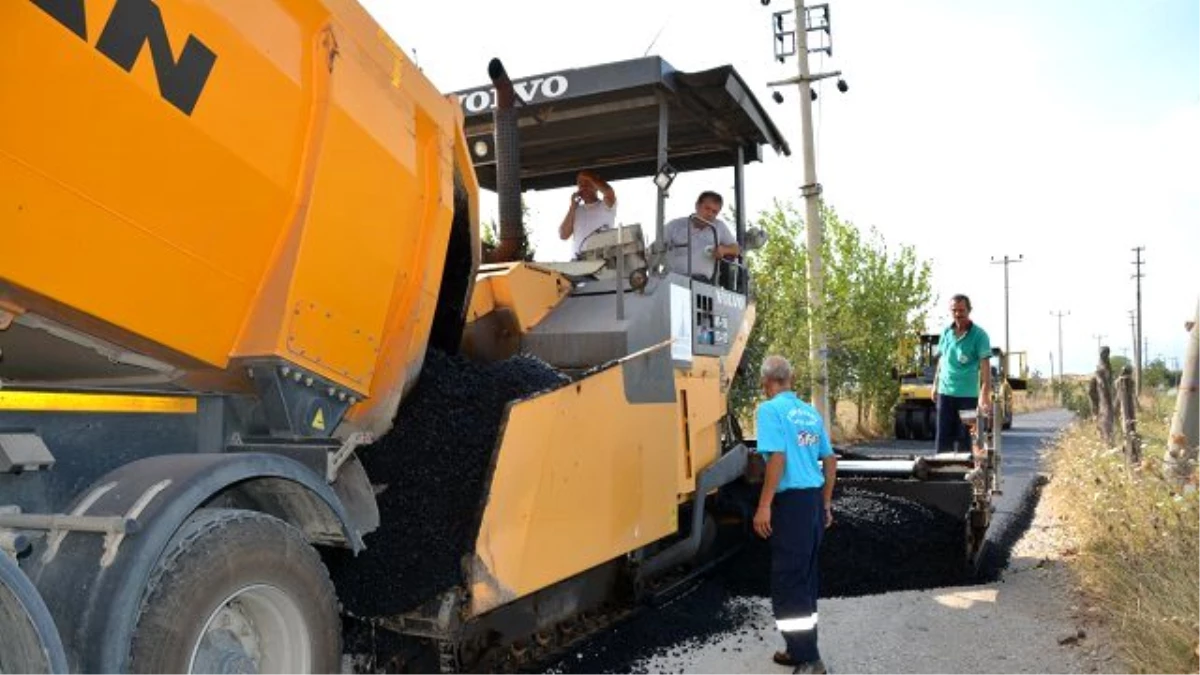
{"x": 1065, "y": 132}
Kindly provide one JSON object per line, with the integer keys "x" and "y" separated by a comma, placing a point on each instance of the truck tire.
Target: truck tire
{"x": 29, "y": 640}
{"x": 237, "y": 591}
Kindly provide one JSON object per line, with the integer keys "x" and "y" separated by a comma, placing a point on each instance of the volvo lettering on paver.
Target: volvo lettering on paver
{"x": 539, "y": 87}
{"x": 728, "y": 299}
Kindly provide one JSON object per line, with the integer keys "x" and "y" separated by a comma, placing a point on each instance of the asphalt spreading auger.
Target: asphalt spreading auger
{"x": 962, "y": 484}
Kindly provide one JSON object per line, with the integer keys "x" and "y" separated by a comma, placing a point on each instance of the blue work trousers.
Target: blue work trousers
{"x": 797, "y": 525}
{"x": 950, "y": 430}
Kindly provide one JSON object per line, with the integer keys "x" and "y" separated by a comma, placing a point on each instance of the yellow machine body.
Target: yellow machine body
{"x": 586, "y": 473}
{"x": 583, "y": 476}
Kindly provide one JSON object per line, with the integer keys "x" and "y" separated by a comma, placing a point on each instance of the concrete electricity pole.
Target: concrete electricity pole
{"x": 817, "y": 21}
{"x": 1006, "y": 261}
{"x": 1099, "y": 337}
{"x": 1060, "y": 314}
{"x": 1137, "y": 337}
{"x": 1183, "y": 441}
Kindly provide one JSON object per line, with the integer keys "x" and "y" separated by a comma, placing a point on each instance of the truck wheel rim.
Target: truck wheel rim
{"x": 257, "y": 629}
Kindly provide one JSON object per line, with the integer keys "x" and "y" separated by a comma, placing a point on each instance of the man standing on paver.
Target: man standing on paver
{"x": 794, "y": 508}
{"x": 964, "y": 362}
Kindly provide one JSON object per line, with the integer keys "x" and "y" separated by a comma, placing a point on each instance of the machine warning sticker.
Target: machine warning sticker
{"x": 318, "y": 422}
{"x": 681, "y": 323}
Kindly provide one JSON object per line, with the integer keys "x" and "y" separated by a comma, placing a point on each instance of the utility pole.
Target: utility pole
{"x": 1099, "y": 337}
{"x": 814, "y": 19}
{"x": 1006, "y": 262}
{"x": 1183, "y": 441}
{"x": 1060, "y": 314}
{"x": 1137, "y": 336}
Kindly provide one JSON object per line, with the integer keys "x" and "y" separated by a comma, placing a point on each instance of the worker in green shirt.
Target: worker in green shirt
{"x": 963, "y": 378}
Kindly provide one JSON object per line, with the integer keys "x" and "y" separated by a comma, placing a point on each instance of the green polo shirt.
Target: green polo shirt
{"x": 959, "y": 357}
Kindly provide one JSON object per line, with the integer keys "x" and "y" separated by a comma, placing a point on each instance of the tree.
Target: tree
{"x": 1156, "y": 374}
{"x": 873, "y": 300}
{"x": 779, "y": 288}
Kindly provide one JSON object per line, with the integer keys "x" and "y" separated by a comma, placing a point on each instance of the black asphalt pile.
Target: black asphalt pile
{"x": 429, "y": 474}
{"x": 672, "y": 630}
{"x": 882, "y": 543}
{"x": 878, "y": 543}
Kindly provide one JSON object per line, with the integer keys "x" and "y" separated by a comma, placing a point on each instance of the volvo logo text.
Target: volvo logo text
{"x": 479, "y": 100}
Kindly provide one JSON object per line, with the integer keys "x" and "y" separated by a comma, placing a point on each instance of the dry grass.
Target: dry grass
{"x": 843, "y": 430}
{"x": 845, "y": 427}
{"x": 1027, "y": 402}
{"x": 1138, "y": 543}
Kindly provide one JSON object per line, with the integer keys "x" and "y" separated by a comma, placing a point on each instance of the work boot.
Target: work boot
{"x": 817, "y": 666}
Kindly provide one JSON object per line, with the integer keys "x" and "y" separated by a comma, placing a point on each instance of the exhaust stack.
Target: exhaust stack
{"x": 508, "y": 166}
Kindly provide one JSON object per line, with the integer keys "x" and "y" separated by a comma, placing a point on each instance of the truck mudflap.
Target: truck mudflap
{"x": 31, "y": 642}
{"x": 93, "y": 583}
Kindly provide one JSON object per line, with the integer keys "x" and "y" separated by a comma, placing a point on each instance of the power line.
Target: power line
{"x": 666, "y": 22}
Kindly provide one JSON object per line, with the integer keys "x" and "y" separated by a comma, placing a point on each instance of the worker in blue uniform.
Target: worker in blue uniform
{"x": 794, "y": 508}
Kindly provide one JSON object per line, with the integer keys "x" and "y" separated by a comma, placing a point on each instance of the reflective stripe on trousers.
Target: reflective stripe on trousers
{"x": 797, "y": 524}
{"x": 800, "y": 623}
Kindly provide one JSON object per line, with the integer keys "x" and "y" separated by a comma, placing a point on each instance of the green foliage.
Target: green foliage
{"x": 780, "y": 288}
{"x": 1073, "y": 395}
{"x": 873, "y": 299}
{"x": 1157, "y": 375}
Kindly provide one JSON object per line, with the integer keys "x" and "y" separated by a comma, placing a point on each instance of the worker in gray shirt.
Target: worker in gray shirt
{"x": 710, "y": 239}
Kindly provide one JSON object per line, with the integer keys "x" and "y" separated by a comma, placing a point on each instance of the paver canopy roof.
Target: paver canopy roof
{"x": 606, "y": 118}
